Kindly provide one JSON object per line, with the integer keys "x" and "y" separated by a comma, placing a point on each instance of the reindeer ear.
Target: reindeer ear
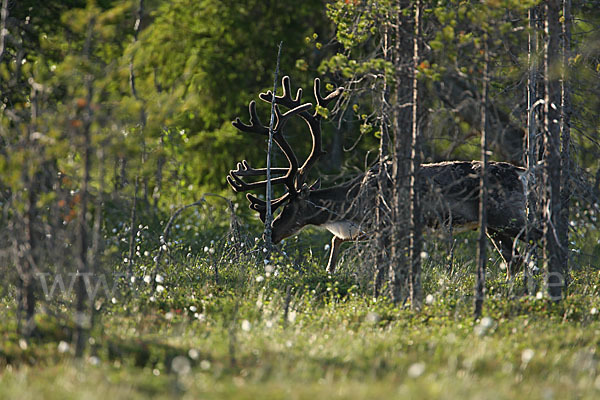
{"x": 304, "y": 191}
{"x": 316, "y": 185}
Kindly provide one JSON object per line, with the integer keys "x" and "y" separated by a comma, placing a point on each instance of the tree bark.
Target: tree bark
{"x": 416, "y": 225}
{"x": 82, "y": 300}
{"x": 27, "y": 298}
{"x": 3, "y": 31}
{"x": 398, "y": 269}
{"x": 483, "y": 189}
{"x": 532, "y": 149}
{"x": 28, "y": 256}
{"x": 565, "y": 129}
{"x": 553, "y": 252}
{"x": 269, "y": 193}
{"x": 381, "y": 223}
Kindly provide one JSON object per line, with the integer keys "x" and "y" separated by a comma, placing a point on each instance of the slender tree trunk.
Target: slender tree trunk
{"x": 565, "y": 156}
{"x": 99, "y": 204}
{"x": 416, "y": 225}
{"x": 97, "y": 242}
{"x": 381, "y": 223}
{"x": 29, "y": 255}
{"x": 82, "y": 317}
{"x": 160, "y": 163}
{"x": 269, "y": 193}
{"x": 483, "y": 189}
{"x": 531, "y": 151}
{"x": 133, "y": 227}
{"x": 3, "y": 30}
{"x": 119, "y": 172}
{"x": 398, "y": 269}
{"x": 553, "y": 253}
{"x": 402, "y": 114}
{"x": 132, "y": 85}
{"x": 27, "y": 296}
{"x": 82, "y": 308}
{"x": 540, "y": 89}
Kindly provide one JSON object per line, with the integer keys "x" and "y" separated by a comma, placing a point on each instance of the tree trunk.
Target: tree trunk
{"x": 399, "y": 267}
{"x": 381, "y": 222}
{"x": 553, "y": 253}
{"x": 532, "y": 149}
{"x": 81, "y": 309}
{"x": 28, "y": 255}
{"x": 269, "y": 193}
{"x": 416, "y": 225}
{"x": 3, "y": 30}
{"x": 82, "y": 306}
{"x": 483, "y": 189}
{"x": 133, "y": 227}
{"x": 27, "y": 258}
{"x": 565, "y": 128}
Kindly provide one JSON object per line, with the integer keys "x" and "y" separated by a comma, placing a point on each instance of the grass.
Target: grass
{"x": 245, "y": 332}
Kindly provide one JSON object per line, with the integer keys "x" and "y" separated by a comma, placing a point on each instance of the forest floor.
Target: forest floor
{"x": 296, "y": 333}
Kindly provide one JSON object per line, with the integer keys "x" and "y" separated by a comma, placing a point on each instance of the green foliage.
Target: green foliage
{"x": 199, "y": 64}
{"x": 358, "y": 21}
{"x": 196, "y": 65}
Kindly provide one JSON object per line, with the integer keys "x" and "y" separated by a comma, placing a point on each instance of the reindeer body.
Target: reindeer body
{"x": 448, "y": 191}
{"x": 450, "y": 201}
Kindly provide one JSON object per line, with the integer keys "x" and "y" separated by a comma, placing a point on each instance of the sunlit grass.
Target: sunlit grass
{"x": 205, "y": 327}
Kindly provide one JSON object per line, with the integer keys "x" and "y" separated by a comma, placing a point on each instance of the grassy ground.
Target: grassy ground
{"x": 292, "y": 332}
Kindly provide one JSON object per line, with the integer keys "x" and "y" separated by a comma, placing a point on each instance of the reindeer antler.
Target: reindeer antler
{"x": 313, "y": 120}
{"x": 261, "y": 205}
{"x": 257, "y": 127}
{"x": 295, "y": 175}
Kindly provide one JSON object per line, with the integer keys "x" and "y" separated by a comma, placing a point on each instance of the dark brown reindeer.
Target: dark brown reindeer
{"x": 449, "y": 190}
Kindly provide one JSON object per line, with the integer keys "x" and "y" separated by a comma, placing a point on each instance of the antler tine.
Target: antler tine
{"x": 285, "y": 99}
{"x": 314, "y": 124}
{"x": 238, "y": 185}
{"x": 283, "y": 118}
{"x": 290, "y": 176}
{"x": 259, "y": 205}
{"x": 255, "y": 125}
{"x": 244, "y": 169}
{"x": 323, "y": 101}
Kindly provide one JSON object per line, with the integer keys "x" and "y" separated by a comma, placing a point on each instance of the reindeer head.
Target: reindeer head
{"x": 296, "y": 206}
{"x": 295, "y": 214}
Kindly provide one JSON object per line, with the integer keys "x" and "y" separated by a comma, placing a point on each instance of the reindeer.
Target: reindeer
{"x": 449, "y": 190}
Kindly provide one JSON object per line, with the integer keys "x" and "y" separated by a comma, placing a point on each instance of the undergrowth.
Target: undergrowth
{"x": 211, "y": 319}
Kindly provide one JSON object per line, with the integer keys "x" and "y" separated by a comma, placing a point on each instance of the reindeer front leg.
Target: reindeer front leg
{"x": 336, "y": 245}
